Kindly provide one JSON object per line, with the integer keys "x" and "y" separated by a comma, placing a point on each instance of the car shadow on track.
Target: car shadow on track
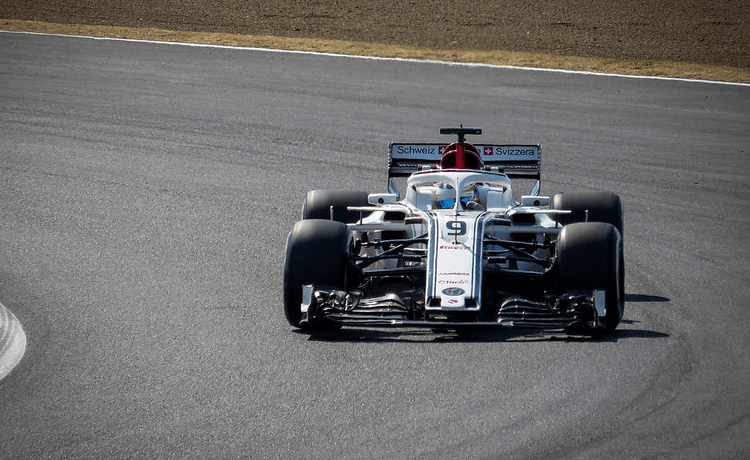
{"x": 645, "y": 298}
{"x": 486, "y": 334}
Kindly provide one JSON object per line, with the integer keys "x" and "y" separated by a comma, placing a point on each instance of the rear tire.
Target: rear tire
{"x": 590, "y": 257}
{"x": 316, "y": 253}
{"x": 318, "y": 205}
{"x": 601, "y": 206}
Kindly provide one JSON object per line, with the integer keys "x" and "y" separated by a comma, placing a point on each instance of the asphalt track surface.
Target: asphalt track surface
{"x": 146, "y": 193}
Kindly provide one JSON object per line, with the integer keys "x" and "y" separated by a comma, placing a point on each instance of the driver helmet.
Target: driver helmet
{"x": 444, "y": 197}
{"x": 470, "y": 198}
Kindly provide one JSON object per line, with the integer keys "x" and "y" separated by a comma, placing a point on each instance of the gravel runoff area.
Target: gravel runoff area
{"x": 706, "y": 39}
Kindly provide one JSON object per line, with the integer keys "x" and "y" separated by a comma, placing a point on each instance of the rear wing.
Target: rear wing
{"x": 516, "y": 161}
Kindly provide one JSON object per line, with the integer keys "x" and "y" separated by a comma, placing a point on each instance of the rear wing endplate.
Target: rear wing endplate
{"x": 516, "y": 161}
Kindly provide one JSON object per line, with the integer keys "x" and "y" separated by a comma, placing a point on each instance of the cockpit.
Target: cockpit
{"x": 458, "y": 190}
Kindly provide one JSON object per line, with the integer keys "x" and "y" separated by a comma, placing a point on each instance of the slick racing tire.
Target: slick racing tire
{"x": 601, "y": 206}
{"x": 317, "y": 254}
{"x": 590, "y": 257}
{"x": 318, "y": 205}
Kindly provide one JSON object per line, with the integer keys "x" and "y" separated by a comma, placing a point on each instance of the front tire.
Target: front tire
{"x": 590, "y": 257}
{"x": 316, "y": 253}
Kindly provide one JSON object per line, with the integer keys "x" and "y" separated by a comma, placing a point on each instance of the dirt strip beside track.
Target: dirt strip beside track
{"x": 521, "y": 59}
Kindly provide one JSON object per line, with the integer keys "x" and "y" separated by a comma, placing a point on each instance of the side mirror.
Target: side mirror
{"x": 535, "y": 201}
{"x": 382, "y": 198}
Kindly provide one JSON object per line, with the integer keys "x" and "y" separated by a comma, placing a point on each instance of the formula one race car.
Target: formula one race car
{"x": 456, "y": 248}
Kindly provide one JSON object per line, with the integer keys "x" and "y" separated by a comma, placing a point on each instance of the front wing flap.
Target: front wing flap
{"x": 573, "y": 311}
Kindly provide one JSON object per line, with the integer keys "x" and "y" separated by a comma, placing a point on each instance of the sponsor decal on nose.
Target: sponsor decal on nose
{"x": 453, "y": 291}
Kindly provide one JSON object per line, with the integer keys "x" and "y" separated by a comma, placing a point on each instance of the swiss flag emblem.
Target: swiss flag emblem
{"x": 489, "y": 150}
{"x": 441, "y": 149}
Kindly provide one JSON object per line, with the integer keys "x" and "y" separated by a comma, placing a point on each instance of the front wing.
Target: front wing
{"x": 573, "y": 311}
